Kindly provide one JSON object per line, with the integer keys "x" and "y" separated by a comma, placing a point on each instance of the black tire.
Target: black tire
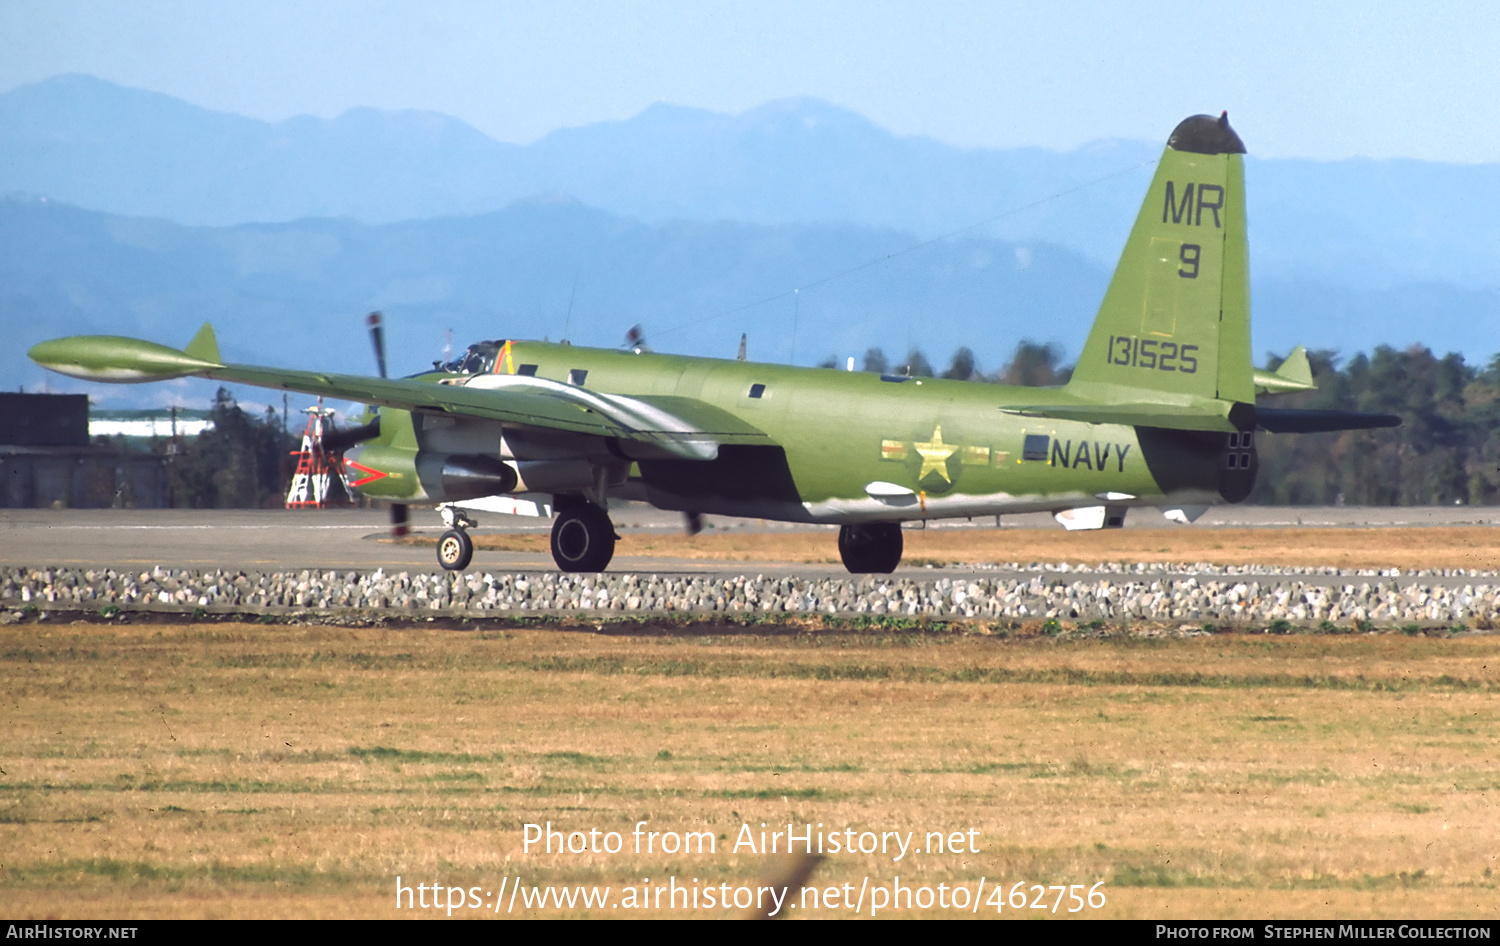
{"x": 454, "y": 550}
{"x": 583, "y": 539}
{"x": 871, "y": 547}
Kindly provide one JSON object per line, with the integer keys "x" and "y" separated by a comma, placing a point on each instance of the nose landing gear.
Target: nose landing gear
{"x": 455, "y": 549}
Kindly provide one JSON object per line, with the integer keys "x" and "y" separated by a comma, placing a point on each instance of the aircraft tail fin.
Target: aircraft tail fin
{"x": 1174, "y": 327}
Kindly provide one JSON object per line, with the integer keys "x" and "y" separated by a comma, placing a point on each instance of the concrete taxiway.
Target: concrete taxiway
{"x": 271, "y": 540}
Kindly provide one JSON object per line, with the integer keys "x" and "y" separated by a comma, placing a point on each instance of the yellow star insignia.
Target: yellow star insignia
{"x": 935, "y": 455}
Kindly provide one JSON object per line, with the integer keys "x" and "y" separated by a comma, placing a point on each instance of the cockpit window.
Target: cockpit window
{"x": 478, "y": 359}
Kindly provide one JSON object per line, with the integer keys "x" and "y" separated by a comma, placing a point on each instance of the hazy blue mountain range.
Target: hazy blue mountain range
{"x": 295, "y": 293}
{"x": 147, "y": 215}
{"x": 1362, "y": 224}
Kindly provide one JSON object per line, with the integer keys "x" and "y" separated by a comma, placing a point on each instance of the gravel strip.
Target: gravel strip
{"x": 1145, "y": 592}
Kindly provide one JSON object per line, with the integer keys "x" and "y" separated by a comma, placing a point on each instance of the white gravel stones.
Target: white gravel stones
{"x": 1112, "y": 593}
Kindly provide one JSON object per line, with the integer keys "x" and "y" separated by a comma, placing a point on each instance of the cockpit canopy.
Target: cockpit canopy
{"x": 478, "y": 359}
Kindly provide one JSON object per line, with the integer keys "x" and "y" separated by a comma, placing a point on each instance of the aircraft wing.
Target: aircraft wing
{"x": 682, "y": 427}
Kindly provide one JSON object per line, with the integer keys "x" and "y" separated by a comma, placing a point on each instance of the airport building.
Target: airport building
{"x": 48, "y": 461}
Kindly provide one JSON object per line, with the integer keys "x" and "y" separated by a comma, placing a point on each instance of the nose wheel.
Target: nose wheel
{"x": 583, "y": 539}
{"x": 454, "y": 550}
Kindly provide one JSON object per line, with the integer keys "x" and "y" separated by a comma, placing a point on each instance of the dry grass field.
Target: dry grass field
{"x": 296, "y": 771}
{"x": 1476, "y": 547}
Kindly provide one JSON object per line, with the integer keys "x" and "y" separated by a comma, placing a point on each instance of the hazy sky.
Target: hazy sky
{"x": 1299, "y": 77}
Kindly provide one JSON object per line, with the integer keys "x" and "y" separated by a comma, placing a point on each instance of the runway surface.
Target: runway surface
{"x": 273, "y": 540}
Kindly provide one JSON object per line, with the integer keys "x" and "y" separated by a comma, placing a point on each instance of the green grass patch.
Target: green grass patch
{"x": 766, "y": 793}
{"x": 577, "y": 758}
{"x": 1063, "y": 676}
{"x": 389, "y": 754}
{"x": 454, "y": 777}
{"x": 1159, "y": 875}
{"x": 122, "y": 871}
{"x": 357, "y": 661}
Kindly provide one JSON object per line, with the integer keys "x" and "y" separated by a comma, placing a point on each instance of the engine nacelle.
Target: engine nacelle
{"x": 400, "y": 474}
{"x": 556, "y": 476}
{"x": 451, "y": 477}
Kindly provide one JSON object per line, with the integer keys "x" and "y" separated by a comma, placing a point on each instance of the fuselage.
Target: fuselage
{"x": 844, "y": 447}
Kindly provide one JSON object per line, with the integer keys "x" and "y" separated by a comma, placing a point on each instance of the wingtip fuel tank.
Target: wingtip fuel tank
{"x": 116, "y": 359}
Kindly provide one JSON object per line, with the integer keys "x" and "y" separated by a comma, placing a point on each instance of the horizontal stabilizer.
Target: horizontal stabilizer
{"x": 1292, "y": 421}
{"x": 1186, "y": 417}
{"x": 1295, "y": 374}
{"x": 1170, "y": 416}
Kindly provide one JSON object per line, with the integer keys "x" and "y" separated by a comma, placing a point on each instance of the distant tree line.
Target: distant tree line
{"x": 239, "y": 462}
{"x": 1445, "y": 451}
{"x": 1032, "y": 364}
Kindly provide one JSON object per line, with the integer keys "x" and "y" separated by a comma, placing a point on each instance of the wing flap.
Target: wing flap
{"x": 680, "y": 427}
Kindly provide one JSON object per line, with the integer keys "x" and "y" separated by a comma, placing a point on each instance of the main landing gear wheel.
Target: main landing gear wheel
{"x": 870, "y": 547}
{"x": 583, "y": 539}
{"x": 455, "y": 549}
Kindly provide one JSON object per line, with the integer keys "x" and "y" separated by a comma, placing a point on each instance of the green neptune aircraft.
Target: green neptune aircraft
{"x": 1160, "y": 410}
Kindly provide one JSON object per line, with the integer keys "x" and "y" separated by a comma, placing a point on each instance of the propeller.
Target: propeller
{"x": 693, "y": 522}
{"x": 377, "y": 336}
{"x": 337, "y": 441}
{"x": 635, "y": 339}
{"x": 399, "y": 517}
{"x": 400, "y": 514}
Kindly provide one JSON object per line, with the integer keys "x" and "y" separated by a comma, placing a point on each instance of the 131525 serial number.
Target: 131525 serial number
{"x": 1134, "y": 352}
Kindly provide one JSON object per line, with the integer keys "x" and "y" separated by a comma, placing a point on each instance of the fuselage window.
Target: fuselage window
{"x": 756, "y": 390}
{"x": 578, "y": 376}
{"x": 528, "y": 370}
{"x": 1035, "y": 447}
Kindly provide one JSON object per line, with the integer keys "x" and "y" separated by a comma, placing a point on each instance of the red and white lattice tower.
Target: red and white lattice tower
{"x": 315, "y": 468}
